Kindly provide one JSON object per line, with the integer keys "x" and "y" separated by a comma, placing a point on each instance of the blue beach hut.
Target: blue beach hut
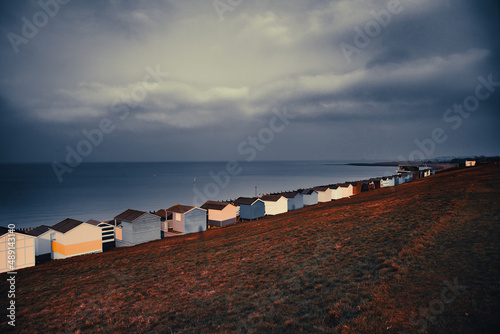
{"x": 250, "y": 207}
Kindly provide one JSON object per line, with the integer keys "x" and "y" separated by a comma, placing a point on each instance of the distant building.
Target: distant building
{"x": 275, "y": 204}
{"x": 43, "y": 244}
{"x": 220, "y": 214}
{"x": 186, "y": 219}
{"x": 470, "y": 163}
{"x": 310, "y": 197}
{"x": 72, "y": 237}
{"x": 24, "y": 247}
{"x": 108, "y": 233}
{"x": 295, "y": 200}
{"x": 134, "y": 227}
{"x": 250, "y": 207}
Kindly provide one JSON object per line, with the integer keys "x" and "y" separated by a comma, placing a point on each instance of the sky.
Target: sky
{"x": 111, "y": 80}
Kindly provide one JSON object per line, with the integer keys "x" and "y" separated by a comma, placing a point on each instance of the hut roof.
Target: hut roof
{"x": 163, "y": 214}
{"x": 290, "y": 194}
{"x": 213, "y": 205}
{"x": 38, "y": 230}
{"x": 129, "y": 215}
{"x": 245, "y": 200}
{"x": 93, "y": 222}
{"x": 179, "y": 208}
{"x": 66, "y": 225}
{"x": 271, "y": 198}
{"x": 5, "y": 230}
{"x": 321, "y": 188}
{"x": 308, "y": 191}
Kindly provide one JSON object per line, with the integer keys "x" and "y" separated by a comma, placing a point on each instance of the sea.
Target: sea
{"x": 31, "y": 194}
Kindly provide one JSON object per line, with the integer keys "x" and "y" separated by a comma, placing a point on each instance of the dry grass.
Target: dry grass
{"x": 370, "y": 264}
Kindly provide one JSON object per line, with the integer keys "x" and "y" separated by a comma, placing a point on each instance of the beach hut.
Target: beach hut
{"x": 408, "y": 177}
{"x": 72, "y": 237}
{"x": 387, "y": 181}
{"x": 365, "y": 186}
{"x": 250, "y": 207}
{"x": 186, "y": 219}
{"x": 324, "y": 194}
{"x": 374, "y": 183}
{"x": 108, "y": 233}
{"x": 22, "y": 244}
{"x": 220, "y": 214}
{"x": 295, "y": 200}
{"x": 310, "y": 197}
{"x": 356, "y": 187}
{"x": 166, "y": 221}
{"x": 347, "y": 189}
{"x": 428, "y": 171}
{"x": 134, "y": 227}
{"x": 43, "y": 244}
{"x": 470, "y": 163}
{"x": 336, "y": 191}
{"x": 275, "y": 204}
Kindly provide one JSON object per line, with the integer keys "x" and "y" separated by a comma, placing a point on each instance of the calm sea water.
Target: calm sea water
{"x": 31, "y": 195}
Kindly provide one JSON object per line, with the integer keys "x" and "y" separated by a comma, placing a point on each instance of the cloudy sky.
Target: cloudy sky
{"x": 358, "y": 79}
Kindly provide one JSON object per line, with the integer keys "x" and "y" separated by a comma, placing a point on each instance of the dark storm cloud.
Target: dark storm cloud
{"x": 226, "y": 76}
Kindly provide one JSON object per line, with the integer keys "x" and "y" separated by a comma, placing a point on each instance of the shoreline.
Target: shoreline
{"x": 437, "y": 166}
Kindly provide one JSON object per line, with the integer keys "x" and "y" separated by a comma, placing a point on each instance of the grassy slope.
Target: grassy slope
{"x": 363, "y": 264}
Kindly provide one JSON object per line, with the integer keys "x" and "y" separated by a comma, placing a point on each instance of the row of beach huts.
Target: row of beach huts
{"x": 72, "y": 237}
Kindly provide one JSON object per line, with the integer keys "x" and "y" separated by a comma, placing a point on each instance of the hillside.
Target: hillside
{"x": 380, "y": 262}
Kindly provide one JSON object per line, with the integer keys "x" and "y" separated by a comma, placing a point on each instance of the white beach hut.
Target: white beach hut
{"x": 387, "y": 181}
{"x": 43, "y": 244}
{"x": 347, "y": 189}
{"x": 275, "y": 204}
{"x": 336, "y": 191}
{"x": 324, "y": 194}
